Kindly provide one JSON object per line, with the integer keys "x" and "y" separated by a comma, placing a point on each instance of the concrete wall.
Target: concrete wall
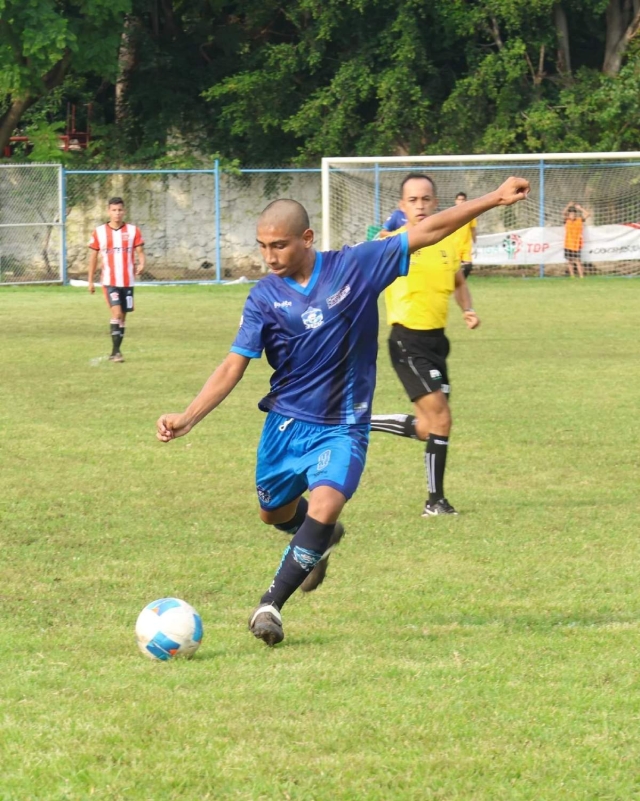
{"x": 177, "y": 216}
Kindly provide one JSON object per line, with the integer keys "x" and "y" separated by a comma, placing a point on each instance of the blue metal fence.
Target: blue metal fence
{"x": 198, "y": 225}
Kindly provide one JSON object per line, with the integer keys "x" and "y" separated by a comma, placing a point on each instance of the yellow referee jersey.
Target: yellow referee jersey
{"x": 420, "y": 300}
{"x": 464, "y": 240}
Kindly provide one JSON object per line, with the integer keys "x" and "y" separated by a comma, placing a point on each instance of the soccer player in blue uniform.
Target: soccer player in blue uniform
{"x": 395, "y": 220}
{"x": 316, "y": 318}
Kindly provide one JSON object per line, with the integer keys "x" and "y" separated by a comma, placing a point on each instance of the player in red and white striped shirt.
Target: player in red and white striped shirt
{"x": 120, "y": 246}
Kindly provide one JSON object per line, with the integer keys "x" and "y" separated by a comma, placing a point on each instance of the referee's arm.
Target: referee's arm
{"x": 463, "y": 299}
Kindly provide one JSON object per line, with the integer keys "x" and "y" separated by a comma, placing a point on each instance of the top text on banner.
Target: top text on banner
{"x": 546, "y": 245}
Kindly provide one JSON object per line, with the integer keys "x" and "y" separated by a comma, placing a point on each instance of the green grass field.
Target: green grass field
{"x": 493, "y": 656}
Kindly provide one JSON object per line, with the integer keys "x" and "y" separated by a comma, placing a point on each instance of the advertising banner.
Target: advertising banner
{"x": 546, "y": 245}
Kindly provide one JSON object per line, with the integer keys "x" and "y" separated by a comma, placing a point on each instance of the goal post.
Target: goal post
{"x": 359, "y": 193}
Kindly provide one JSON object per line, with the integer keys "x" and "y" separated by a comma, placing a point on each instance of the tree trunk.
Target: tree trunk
{"x": 126, "y": 62}
{"x": 562, "y": 32}
{"x": 623, "y": 22}
{"x": 18, "y": 105}
{"x": 12, "y": 117}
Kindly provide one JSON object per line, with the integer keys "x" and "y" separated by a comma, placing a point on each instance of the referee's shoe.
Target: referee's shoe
{"x": 441, "y": 507}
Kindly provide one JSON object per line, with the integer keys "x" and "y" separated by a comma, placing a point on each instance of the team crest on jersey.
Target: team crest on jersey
{"x": 312, "y": 318}
{"x": 263, "y": 494}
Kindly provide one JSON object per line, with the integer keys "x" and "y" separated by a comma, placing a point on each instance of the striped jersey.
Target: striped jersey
{"x": 322, "y": 339}
{"x": 116, "y": 247}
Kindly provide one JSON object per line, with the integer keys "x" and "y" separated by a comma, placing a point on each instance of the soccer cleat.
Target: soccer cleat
{"x": 117, "y": 358}
{"x": 265, "y": 623}
{"x": 316, "y": 576}
{"x": 441, "y": 507}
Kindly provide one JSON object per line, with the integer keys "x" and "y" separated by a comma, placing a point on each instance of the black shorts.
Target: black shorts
{"x": 120, "y": 296}
{"x": 420, "y": 360}
{"x": 572, "y": 255}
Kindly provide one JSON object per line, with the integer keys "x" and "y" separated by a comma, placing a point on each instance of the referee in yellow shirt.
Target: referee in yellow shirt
{"x": 466, "y": 239}
{"x": 417, "y": 309}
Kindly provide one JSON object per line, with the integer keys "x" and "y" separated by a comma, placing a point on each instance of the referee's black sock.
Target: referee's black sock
{"x": 299, "y": 558}
{"x": 403, "y": 425}
{"x": 435, "y": 460}
{"x": 116, "y": 338}
{"x": 291, "y": 526}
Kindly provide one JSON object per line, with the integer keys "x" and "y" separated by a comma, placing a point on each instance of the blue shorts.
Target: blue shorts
{"x": 294, "y": 456}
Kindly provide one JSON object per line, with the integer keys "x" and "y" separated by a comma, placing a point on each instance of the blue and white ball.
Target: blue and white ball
{"x": 168, "y": 628}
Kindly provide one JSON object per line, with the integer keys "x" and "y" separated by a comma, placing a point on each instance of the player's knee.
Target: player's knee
{"x": 441, "y": 420}
{"x": 326, "y": 504}
{"x": 283, "y": 515}
{"x": 422, "y": 429}
{"x": 268, "y": 517}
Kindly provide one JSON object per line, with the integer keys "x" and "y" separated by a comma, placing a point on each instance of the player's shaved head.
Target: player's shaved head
{"x": 285, "y": 214}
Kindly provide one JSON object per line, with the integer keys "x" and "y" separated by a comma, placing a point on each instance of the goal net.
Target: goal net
{"x": 359, "y": 195}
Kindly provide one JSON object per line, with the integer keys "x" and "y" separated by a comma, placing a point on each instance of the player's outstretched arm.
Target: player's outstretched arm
{"x": 434, "y": 228}
{"x": 223, "y": 380}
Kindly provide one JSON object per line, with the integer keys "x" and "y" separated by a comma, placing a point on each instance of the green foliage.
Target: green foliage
{"x": 44, "y": 139}
{"x": 264, "y": 83}
{"x": 36, "y": 36}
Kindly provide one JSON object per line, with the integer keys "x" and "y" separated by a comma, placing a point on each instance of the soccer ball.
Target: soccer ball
{"x": 167, "y": 628}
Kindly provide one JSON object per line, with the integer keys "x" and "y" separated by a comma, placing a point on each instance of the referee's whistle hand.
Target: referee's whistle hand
{"x": 471, "y": 319}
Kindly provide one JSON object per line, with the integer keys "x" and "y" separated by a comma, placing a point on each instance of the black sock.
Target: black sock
{"x": 404, "y": 425}
{"x": 121, "y": 336}
{"x": 291, "y": 526}
{"x": 435, "y": 460}
{"x": 298, "y": 560}
{"x": 116, "y": 339}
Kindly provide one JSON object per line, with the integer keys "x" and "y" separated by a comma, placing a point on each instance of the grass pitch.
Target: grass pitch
{"x": 489, "y": 657}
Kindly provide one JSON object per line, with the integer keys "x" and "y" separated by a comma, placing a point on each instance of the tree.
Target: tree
{"x": 41, "y": 40}
{"x": 270, "y": 82}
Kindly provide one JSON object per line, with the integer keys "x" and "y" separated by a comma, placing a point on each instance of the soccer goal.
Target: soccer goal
{"x": 359, "y": 194}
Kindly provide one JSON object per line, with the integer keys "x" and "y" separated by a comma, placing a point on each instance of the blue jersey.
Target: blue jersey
{"x": 395, "y": 220}
{"x": 322, "y": 339}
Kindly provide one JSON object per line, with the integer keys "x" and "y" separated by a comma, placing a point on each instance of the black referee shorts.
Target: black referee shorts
{"x": 420, "y": 360}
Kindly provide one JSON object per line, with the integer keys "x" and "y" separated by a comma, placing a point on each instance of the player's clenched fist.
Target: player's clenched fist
{"x": 170, "y": 426}
{"x": 513, "y": 190}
